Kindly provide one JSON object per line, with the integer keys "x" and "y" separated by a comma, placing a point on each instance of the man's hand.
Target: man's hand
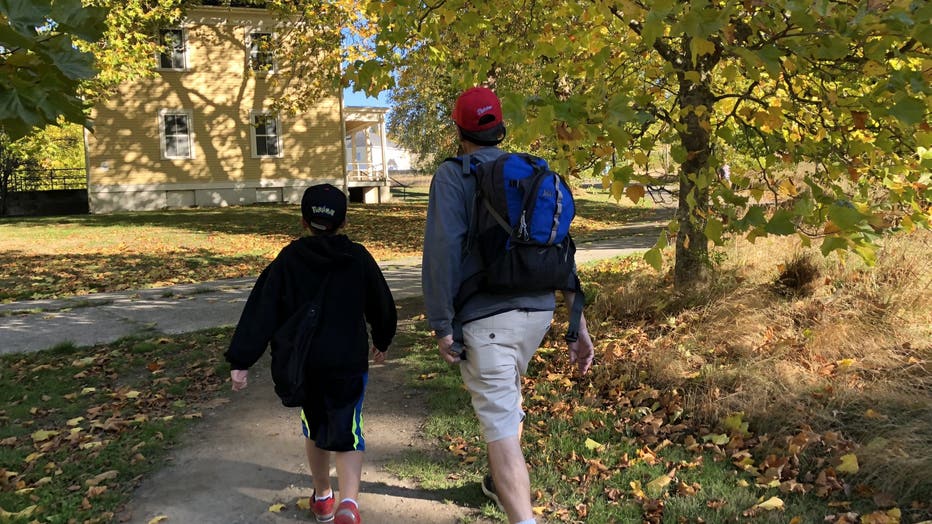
{"x": 378, "y": 357}
{"x": 444, "y": 346}
{"x": 240, "y": 378}
{"x": 581, "y": 351}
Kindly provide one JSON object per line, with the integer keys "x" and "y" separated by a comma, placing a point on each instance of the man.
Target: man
{"x": 491, "y": 336}
{"x": 355, "y": 293}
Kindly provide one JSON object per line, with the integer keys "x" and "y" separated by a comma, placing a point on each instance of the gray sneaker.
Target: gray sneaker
{"x": 488, "y": 487}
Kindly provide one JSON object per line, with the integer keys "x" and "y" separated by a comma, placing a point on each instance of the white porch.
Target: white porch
{"x": 365, "y": 143}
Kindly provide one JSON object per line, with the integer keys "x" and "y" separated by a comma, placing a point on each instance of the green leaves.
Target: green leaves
{"x": 713, "y": 230}
{"x": 908, "y": 110}
{"x": 25, "y": 16}
{"x": 781, "y": 223}
{"x": 85, "y": 23}
{"x": 61, "y": 53}
{"x": 43, "y": 69}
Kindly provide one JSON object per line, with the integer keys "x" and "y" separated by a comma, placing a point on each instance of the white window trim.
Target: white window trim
{"x": 275, "y": 55}
{"x": 253, "y": 146}
{"x": 162, "y": 138}
{"x": 187, "y": 50}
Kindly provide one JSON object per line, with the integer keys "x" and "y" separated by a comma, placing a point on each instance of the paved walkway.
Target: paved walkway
{"x": 105, "y": 317}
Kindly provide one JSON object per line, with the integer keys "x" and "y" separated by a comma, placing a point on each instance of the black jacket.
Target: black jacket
{"x": 356, "y": 293}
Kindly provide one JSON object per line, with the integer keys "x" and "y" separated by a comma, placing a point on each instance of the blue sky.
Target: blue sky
{"x": 360, "y": 99}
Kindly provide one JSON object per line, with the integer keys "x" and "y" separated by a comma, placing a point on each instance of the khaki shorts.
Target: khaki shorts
{"x": 498, "y": 349}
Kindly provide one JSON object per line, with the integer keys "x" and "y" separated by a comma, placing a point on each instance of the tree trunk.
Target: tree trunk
{"x": 691, "y": 267}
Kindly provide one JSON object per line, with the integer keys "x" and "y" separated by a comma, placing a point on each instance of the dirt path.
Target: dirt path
{"x": 248, "y": 454}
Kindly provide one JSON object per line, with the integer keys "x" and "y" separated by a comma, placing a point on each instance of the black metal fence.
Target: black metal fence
{"x": 47, "y": 179}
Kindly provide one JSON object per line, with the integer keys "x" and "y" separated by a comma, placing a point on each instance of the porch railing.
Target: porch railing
{"x": 365, "y": 172}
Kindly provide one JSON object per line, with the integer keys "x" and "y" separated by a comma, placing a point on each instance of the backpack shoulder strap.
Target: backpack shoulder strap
{"x": 469, "y": 163}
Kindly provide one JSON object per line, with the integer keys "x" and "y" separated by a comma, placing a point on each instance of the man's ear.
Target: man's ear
{"x": 304, "y": 224}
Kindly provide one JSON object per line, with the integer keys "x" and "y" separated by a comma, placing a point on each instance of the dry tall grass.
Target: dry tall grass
{"x": 792, "y": 340}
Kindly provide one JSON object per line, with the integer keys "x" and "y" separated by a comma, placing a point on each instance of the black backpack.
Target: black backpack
{"x": 523, "y": 212}
{"x": 292, "y": 347}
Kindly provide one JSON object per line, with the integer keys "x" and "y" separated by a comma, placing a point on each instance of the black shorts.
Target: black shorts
{"x": 332, "y": 414}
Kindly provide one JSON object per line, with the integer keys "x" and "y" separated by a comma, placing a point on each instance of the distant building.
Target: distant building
{"x": 200, "y": 133}
{"x": 364, "y": 151}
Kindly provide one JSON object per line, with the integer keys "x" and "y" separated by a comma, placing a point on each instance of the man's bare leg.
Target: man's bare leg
{"x": 512, "y": 482}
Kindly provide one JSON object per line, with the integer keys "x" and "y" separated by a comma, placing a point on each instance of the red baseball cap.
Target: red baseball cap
{"x": 477, "y": 109}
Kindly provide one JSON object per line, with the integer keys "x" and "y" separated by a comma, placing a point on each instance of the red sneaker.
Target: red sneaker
{"x": 347, "y": 513}
{"x": 322, "y": 509}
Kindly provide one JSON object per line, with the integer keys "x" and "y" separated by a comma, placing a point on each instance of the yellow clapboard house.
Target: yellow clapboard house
{"x": 200, "y": 133}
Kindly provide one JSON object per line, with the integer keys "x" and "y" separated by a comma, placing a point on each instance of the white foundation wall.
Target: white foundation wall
{"x": 109, "y": 199}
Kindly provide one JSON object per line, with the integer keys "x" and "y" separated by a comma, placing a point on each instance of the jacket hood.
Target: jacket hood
{"x": 323, "y": 251}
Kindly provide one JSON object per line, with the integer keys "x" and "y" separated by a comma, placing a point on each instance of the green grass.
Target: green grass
{"x": 617, "y": 476}
{"x": 71, "y": 414}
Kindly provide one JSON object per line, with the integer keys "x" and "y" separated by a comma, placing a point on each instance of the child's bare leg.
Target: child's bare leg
{"x": 349, "y": 472}
{"x": 319, "y": 461}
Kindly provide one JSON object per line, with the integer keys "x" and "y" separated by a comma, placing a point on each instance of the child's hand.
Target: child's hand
{"x": 240, "y": 378}
{"x": 378, "y": 357}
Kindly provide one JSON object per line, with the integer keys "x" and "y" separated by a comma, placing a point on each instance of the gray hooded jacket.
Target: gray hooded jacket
{"x": 446, "y": 260}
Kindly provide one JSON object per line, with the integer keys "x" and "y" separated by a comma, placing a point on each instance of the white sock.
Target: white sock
{"x": 528, "y": 521}
{"x": 328, "y": 495}
{"x": 357, "y": 504}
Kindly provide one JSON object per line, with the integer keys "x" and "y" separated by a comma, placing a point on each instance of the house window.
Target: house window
{"x": 176, "y": 132}
{"x": 173, "y": 50}
{"x": 261, "y": 52}
{"x": 265, "y": 129}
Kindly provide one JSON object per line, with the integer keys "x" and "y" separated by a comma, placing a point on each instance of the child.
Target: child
{"x": 335, "y": 378}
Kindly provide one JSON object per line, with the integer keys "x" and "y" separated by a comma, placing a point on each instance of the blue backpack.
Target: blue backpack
{"x": 523, "y": 212}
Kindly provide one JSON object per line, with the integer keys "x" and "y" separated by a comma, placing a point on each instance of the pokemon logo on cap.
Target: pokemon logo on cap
{"x": 477, "y": 109}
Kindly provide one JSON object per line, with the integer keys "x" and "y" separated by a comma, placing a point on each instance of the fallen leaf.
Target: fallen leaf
{"x": 304, "y": 504}
{"x": 849, "y": 464}
{"x": 83, "y": 362}
{"x": 592, "y": 445}
{"x": 277, "y": 508}
{"x": 93, "y": 491}
{"x": 42, "y": 481}
{"x": 97, "y": 479}
{"x": 717, "y": 439}
{"x": 771, "y": 504}
{"x": 891, "y": 516}
{"x": 735, "y": 424}
{"x": 43, "y": 435}
{"x": 156, "y": 520}
{"x": 656, "y": 487}
{"x": 21, "y": 514}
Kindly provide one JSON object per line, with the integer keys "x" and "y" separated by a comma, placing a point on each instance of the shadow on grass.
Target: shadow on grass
{"x": 32, "y": 277}
{"x": 253, "y": 219}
